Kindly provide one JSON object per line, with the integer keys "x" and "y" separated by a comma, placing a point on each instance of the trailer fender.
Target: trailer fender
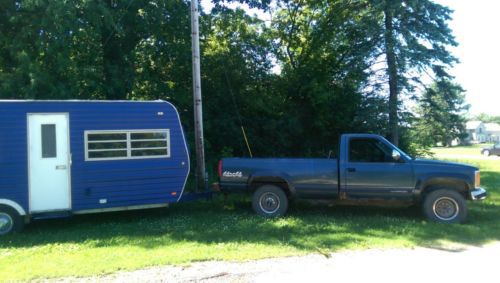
{"x": 14, "y": 205}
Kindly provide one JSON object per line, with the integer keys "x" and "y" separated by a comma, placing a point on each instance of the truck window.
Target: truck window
{"x": 369, "y": 150}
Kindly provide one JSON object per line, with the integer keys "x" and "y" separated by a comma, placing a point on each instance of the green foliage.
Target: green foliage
{"x": 322, "y": 73}
{"x": 237, "y": 85}
{"x": 93, "y": 49}
{"x": 332, "y": 76}
{"x": 483, "y": 117}
{"x": 441, "y": 116}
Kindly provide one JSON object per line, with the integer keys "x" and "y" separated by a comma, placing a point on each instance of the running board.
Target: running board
{"x": 51, "y": 215}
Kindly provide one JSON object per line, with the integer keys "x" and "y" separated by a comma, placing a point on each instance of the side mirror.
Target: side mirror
{"x": 396, "y": 155}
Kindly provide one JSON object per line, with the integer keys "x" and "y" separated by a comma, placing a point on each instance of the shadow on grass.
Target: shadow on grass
{"x": 306, "y": 227}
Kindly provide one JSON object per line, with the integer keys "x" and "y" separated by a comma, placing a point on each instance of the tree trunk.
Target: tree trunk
{"x": 393, "y": 75}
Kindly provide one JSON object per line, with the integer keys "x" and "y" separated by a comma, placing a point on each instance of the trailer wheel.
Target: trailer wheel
{"x": 270, "y": 201}
{"x": 10, "y": 220}
{"x": 445, "y": 206}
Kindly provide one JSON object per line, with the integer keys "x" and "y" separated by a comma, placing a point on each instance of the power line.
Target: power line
{"x": 233, "y": 99}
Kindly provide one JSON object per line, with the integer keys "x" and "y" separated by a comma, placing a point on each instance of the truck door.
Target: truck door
{"x": 372, "y": 173}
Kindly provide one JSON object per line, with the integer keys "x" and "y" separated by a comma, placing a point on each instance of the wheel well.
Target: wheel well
{"x": 13, "y": 205}
{"x": 282, "y": 184}
{"x": 458, "y": 186}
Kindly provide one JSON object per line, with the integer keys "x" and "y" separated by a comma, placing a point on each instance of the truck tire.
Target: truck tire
{"x": 10, "y": 220}
{"x": 270, "y": 201}
{"x": 486, "y": 152}
{"x": 445, "y": 206}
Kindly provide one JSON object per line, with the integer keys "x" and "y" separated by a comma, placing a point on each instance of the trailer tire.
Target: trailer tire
{"x": 445, "y": 206}
{"x": 10, "y": 220}
{"x": 270, "y": 201}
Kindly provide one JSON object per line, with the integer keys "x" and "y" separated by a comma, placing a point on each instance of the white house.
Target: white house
{"x": 492, "y": 131}
{"x": 476, "y": 132}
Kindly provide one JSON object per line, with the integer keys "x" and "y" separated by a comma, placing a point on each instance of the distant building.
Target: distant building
{"x": 493, "y": 132}
{"x": 476, "y": 132}
{"x": 479, "y": 132}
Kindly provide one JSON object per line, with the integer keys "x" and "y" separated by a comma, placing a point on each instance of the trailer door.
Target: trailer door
{"x": 49, "y": 162}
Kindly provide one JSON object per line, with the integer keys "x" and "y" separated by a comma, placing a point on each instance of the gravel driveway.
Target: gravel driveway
{"x": 460, "y": 264}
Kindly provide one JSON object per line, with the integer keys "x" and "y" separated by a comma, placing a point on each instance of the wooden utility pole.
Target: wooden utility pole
{"x": 198, "y": 112}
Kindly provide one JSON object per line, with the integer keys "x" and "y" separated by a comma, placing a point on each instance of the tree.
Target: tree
{"x": 441, "y": 114}
{"x": 413, "y": 37}
{"x": 483, "y": 117}
{"x": 238, "y": 86}
{"x": 323, "y": 49}
{"x": 328, "y": 52}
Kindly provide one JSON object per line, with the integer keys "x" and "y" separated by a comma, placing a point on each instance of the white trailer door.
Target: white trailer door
{"x": 49, "y": 162}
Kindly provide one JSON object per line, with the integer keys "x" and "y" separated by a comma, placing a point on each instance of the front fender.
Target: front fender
{"x": 457, "y": 181}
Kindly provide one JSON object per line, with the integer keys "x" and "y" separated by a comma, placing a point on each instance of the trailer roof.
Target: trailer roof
{"x": 79, "y": 100}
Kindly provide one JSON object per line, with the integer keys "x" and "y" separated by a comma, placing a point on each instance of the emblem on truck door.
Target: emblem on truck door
{"x": 232, "y": 174}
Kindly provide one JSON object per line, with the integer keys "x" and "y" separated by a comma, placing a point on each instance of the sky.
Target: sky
{"x": 476, "y": 27}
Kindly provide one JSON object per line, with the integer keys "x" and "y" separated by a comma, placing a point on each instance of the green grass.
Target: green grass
{"x": 466, "y": 150}
{"x": 228, "y": 230}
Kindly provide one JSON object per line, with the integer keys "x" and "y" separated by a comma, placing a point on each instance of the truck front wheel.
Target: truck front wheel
{"x": 445, "y": 206}
{"x": 270, "y": 201}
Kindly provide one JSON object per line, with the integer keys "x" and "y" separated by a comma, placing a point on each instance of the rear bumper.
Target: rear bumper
{"x": 478, "y": 194}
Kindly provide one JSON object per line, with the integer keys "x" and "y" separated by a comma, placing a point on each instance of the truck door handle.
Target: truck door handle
{"x": 351, "y": 169}
{"x": 61, "y": 167}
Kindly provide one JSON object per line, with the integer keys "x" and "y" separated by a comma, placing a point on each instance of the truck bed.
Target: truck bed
{"x": 308, "y": 178}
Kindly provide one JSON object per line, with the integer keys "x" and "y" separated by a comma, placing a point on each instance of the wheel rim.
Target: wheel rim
{"x": 6, "y": 223}
{"x": 486, "y": 153}
{"x": 269, "y": 202}
{"x": 445, "y": 208}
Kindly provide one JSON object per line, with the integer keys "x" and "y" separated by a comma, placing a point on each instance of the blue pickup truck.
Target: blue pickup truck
{"x": 368, "y": 170}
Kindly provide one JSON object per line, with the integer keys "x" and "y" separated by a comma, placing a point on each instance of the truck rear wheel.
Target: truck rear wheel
{"x": 10, "y": 220}
{"x": 270, "y": 201}
{"x": 445, "y": 206}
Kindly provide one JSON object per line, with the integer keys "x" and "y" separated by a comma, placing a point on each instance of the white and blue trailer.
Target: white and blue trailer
{"x": 59, "y": 158}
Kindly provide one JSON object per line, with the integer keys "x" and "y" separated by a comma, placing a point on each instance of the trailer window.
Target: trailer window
{"x": 149, "y": 144}
{"x": 131, "y": 144}
{"x": 49, "y": 149}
